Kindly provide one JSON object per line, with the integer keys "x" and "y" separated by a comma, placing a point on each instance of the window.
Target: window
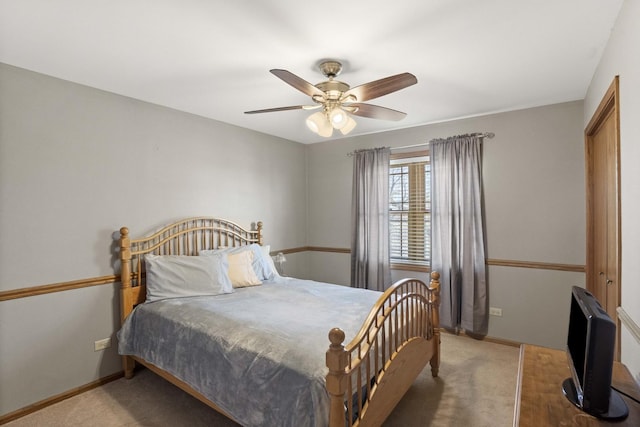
{"x": 410, "y": 209}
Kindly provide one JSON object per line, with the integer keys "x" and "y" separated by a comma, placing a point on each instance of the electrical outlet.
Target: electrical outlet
{"x": 102, "y": 344}
{"x": 494, "y": 311}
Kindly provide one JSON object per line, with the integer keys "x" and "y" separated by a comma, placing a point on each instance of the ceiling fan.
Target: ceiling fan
{"x": 338, "y": 101}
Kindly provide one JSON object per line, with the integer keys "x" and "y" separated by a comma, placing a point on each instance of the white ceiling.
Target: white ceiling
{"x": 212, "y": 57}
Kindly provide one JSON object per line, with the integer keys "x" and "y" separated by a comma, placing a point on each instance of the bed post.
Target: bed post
{"x": 434, "y": 286}
{"x": 336, "y": 362}
{"x": 126, "y": 301}
{"x": 259, "y": 229}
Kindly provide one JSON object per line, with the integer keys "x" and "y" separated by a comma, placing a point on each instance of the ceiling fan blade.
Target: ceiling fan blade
{"x": 382, "y": 87}
{"x": 376, "y": 112}
{"x": 297, "y": 82}
{"x": 293, "y": 107}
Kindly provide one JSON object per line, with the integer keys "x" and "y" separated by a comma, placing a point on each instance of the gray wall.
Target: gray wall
{"x": 620, "y": 58}
{"x": 76, "y": 164}
{"x": 533, "y": 172}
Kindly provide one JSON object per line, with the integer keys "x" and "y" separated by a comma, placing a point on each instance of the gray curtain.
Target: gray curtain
{"x": 370, "y": 265}
{"x": 457, "y": 232}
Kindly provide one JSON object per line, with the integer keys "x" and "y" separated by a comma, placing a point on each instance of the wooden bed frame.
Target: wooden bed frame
{"x": 399, "y": 337}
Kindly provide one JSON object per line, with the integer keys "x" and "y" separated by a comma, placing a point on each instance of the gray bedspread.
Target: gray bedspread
{"x": 259, "y": 353}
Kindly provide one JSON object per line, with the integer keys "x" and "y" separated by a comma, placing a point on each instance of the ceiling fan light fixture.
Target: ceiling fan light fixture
{"x": 312, "y": 123}
{"x": 319, "y": 124}
{"x": 349, "y": 125}
{"x": 327, "y": 131}
{"x": 338, "y": 118}
{"x": 339, "y": 101}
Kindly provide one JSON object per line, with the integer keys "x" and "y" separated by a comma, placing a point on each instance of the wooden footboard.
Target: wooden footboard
{"x": 370, "y": 375}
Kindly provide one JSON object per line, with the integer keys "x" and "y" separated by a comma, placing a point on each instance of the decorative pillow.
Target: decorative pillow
{"x": 174, "y": 276}
{"x": 241, "y": 271}
{"x": 260, "y": 263}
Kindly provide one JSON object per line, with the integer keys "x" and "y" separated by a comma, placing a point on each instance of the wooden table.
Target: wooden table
{"x": 539, "y": 398}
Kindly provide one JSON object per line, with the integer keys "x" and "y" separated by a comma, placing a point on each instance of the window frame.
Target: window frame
{"x": 398, "y": 264}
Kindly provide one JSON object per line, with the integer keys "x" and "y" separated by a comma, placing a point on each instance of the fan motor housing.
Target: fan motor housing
{"x": 333, "y": 88}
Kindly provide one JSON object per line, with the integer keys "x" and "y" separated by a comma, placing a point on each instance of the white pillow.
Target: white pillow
{"x": 174, "y": 276}
{"x": 241, "y": 271}
{"x": 260, "y": 263}
{"x": 271, "y": 269}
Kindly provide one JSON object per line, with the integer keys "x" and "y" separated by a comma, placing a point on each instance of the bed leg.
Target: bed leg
{"x": 435, "y": 359}
{"x": 128, "y": 364}
{"x": 434, "y": 286}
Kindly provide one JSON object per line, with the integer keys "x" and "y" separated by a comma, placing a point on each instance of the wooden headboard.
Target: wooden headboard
{"x": 185, "y": 237}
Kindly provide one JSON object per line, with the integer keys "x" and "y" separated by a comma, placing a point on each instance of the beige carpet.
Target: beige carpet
{"x": 475, "y": 388}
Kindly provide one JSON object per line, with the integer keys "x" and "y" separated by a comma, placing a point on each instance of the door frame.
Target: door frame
{"x": 610, "y": 104}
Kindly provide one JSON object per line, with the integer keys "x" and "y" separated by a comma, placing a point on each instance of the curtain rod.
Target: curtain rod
{"x": 478, "y": 134}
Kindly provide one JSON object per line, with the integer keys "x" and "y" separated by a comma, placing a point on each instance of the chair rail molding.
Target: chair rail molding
{"x": 628, "y": 322}
{"x": 105, "y": 280}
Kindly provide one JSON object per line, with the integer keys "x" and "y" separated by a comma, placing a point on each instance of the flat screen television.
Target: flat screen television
{"x": 590, "y": 349}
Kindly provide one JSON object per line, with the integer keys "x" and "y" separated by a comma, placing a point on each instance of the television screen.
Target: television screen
{"x": 590, "y": 349}
{"x": 577, "y": 342}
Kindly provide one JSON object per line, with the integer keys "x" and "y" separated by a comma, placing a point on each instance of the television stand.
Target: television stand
{"x": 618, "y": 410}
{"x": 540, "y": 401}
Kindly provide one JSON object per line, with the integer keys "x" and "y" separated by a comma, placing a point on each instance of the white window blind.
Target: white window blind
{"x": 410, "y": 210}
